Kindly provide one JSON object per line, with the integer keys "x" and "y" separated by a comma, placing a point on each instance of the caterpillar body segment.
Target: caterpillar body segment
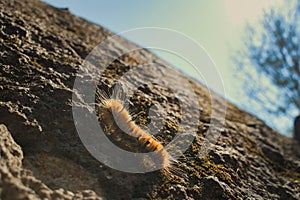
{"x": 124, "y": 121}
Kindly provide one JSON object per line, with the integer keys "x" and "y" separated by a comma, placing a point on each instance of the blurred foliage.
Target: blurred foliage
{"x": 269, "y": 63}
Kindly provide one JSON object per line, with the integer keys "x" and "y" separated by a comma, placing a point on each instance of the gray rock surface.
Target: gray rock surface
{"x": 42, "y": 157}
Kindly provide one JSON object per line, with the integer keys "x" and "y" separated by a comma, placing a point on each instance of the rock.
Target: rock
{"x": 19, "y": 183}
{"x": 42, "y": 157}
{"x": 214, "y": 189}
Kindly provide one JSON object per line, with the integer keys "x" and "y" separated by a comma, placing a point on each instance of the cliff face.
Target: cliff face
{"x": 42, "y": 156}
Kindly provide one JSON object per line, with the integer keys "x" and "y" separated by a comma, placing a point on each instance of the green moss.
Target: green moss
{"x": 77, "y": 30}
{"x": 291, "y": 174}
{"x": 207, "y": 167}
{"x": 14, "y": 39}
{"x": 218, "y": 170}
{"x": 36, "y": 64}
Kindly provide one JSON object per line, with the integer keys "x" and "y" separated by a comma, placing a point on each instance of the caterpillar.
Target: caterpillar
{"x": 126, "y": 124}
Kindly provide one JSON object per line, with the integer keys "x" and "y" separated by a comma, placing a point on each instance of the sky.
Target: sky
{"x": 218, "y": 26}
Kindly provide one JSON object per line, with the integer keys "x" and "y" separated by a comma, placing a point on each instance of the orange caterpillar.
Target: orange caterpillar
{"x": 125, "y": 123}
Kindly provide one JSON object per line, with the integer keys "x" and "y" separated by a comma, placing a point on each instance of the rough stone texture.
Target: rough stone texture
{"x": 42, "y": 157}
{"x": 19, "y": 183}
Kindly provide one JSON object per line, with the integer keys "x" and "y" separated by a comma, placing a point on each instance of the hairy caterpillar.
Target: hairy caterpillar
{"x": 126, "y": 124}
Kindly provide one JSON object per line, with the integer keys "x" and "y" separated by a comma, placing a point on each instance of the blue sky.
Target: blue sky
{"x": 216, "y": 25}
